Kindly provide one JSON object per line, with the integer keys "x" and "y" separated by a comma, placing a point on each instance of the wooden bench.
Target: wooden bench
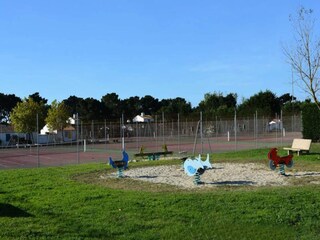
{"x": 299, "y": 145}
{"x": 24, "y": 145}
{"x": 153, "y": 155}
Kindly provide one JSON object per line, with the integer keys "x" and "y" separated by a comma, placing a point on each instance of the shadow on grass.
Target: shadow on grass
{"x": 307, "y": 154}
{"x": 305, "y": 174}
{"x": 146, "y": 176}
{"x": 232, "y": 183}
{"x": 7, "y": 210}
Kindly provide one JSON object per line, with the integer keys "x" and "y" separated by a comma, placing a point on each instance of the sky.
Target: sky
{"x": 162, "y": 48}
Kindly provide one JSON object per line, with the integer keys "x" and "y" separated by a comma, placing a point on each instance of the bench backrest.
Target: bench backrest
{"x": 303, "y": 144}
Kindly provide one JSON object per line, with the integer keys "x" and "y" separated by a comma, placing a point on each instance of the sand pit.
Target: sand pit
{"x": 222, "y": 174}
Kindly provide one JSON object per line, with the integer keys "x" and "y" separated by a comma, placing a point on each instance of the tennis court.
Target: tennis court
{"x": 64, "y": 154}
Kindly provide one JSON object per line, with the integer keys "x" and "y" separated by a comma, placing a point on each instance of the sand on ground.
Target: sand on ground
{"x": 231, "y": 174}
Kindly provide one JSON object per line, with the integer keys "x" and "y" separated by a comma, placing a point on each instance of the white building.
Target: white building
{"x": 142, "y": 118}
{"x": 274, "y": 125}
{"x": 66, "y": 135}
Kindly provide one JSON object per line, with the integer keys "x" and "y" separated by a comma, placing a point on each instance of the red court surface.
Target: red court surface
{"x": 58, "y": 156}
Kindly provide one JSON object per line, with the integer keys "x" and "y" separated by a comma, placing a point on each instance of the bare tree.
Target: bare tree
{"x": 304, "y": 55}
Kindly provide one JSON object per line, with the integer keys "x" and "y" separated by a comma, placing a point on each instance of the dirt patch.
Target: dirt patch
{"x": 222, "y": 174}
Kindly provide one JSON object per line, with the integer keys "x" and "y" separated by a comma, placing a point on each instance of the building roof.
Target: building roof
{"x": 6, "y": 128}
{"x": 143, "y": 118}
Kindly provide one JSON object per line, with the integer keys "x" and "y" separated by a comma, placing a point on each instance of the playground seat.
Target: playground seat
{"x": 275, "y": 159}
{"x": 151, "y": 154}
{"x": 299, "y": 145}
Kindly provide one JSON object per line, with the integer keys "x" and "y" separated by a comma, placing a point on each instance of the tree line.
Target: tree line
{"x": 111, "y": 107}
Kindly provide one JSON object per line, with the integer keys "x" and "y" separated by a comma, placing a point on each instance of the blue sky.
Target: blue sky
{"x": 162, "y": 48}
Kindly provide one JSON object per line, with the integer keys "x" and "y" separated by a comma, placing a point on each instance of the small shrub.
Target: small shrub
{"x": 311, "y": 122}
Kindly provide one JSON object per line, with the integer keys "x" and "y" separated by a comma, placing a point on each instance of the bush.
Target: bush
{"x": 311, "y": 122}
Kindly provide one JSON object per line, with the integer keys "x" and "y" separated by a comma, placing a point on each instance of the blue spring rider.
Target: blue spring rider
{"x": 120, "y": 165}
{"x": 196, "y": 167}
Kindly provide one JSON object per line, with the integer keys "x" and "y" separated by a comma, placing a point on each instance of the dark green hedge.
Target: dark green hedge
{"x": 311, "y": 122}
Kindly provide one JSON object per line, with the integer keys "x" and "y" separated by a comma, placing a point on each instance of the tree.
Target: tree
{"x": 131, "y": 107}
{"x": 7, "y": 103}
{"x": 304, "y": 55}
{"x": 41, "y": 100}
{"x": 91, "y": 109}
{"x": 266, "y": 103}
{"x": 216, "y": 103}
{"x": 171, "y": 107}
{"x": 311, "y": 122}
{"x": 230, "y": 100}
{"x": 289, "y": 104}
{"x": 37, "y": 98}
{"x": 111, "y": 103}
{"x": 286, "y": 98}
{"x": 24, "y": 116}
{"x": 292, "y": 107}
{"x": 74, "y": 105}
{"x": 211, "y": 102}
{"x": 58, "y": 116}
{"x": 149, "y": 104}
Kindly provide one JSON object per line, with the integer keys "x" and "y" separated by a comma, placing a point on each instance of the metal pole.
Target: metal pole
{"x": 156, "y": 131}
{"x": 257, "y": 126}
{"x": 281, "y": 122}
{"x": 163, "y": 142}
{"x": 137, "y": 135}
{"x": 195, "y": 139}
{"x": 201, "y": 136}
{"x": 216, "y": 130}
{"x": 292, "y": 102}
{"x": 276, "y": 118}
{"x": 105, "y": 132}
{"x": 77, "y": 121}
{"x": 120, "y": 129}
{"x": 179, "y": 133}
{"x": 38, "y": 157}
{"x": 81, "y": 137}
{"x": 235, "y": 129}
{"x": 123, "y": 147}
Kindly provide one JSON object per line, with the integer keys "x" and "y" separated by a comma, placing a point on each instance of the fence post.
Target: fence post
{"x": 105, "y": 133}
{"x": 122, "y": 132}
{"x": 201, "y": 131}
{"x": 163, "y": 141}
{"x": 77, "y": 122}
{"x": 179, "y": 133}
{"x": 235, "y": 128}
{"x": 38, "y": 157}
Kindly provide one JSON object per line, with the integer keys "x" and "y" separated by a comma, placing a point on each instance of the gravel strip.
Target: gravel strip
{"x": 222, "y": 174}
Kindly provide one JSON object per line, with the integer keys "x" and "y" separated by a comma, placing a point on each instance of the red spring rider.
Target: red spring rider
{"x": 275, "y": 160}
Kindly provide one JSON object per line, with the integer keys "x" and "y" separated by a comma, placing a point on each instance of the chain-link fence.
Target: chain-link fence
{"x": 98, "y": 140}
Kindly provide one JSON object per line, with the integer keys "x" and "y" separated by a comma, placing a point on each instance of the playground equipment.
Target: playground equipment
{"x": 196, "y": 167}
{"x": 120, "y": 165}
{"x": 200, "y": 130}
{"x": 275, "y": 160}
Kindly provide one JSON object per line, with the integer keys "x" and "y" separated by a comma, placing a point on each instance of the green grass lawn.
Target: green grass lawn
{"x": 73, "y": 203}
